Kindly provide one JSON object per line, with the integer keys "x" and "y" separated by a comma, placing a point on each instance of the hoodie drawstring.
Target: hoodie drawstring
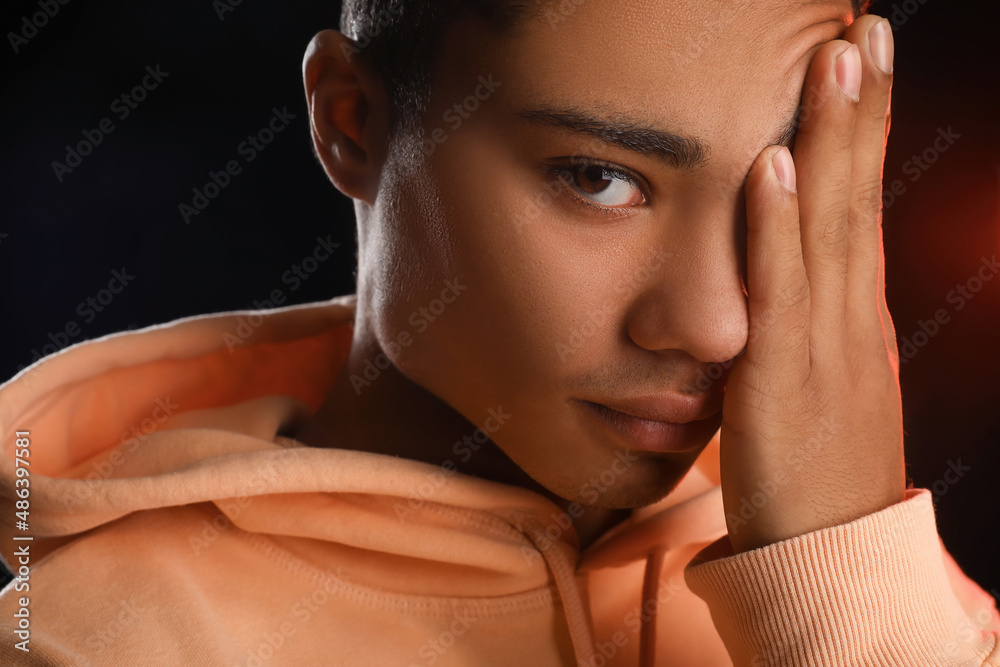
{"x": 563, "y": 570}
{"x": 650, "y": 586}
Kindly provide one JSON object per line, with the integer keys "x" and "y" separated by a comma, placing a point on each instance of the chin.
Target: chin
{"x": 647, "y": 481}
{"x": 634, "y": 497}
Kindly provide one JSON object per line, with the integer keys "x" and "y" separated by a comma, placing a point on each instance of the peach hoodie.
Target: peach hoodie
{"x": 171, "y": 525}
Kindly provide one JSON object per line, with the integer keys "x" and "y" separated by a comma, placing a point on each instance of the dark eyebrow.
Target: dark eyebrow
{"x": 676, "y": 150}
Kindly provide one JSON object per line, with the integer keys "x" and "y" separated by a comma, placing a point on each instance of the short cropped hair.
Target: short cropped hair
{"x": 402, "y": 40}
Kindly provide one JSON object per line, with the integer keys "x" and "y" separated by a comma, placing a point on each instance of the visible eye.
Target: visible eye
{"x": 601, "y": 185}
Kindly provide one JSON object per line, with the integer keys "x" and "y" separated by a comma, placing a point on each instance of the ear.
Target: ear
{"x": 348, "y": 113}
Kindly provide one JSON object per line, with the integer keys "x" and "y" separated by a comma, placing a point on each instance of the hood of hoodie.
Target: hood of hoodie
{"x": 188, "y": 414}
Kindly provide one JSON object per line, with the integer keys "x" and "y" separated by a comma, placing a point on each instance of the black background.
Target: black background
{"x": 119, "y": 208}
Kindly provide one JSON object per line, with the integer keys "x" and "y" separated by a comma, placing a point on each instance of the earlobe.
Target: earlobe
{"x": 347, "y": 106}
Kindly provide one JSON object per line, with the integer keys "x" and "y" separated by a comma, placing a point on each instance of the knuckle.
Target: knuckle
{"x": 833, "y": 236}
{"x": 866, "y": 203}
{"x": 879, "y": 113}
{"x": 843, "y": 134}
{"x": 792, "y": 294}
{"x": 869, "y": 193}
{"x": 836, "y": 184}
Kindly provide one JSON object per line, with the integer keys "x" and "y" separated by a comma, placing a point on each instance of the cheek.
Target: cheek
{"x": 403, "y": 249}
{"x": 526, "y": 282}
{"x": 533, "y": 277}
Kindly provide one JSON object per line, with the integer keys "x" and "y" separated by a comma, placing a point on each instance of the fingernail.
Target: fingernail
{"x": 880, "y": 45}
{"x": 849, "y": 72}
{"x": 784, "y": 168}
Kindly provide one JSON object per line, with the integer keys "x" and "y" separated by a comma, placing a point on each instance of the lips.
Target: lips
{"x": 672, "y": 408}
{"x": 663, "y": 423}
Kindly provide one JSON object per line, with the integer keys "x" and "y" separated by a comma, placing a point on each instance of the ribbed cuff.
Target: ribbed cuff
{"x": 870, "y": 592}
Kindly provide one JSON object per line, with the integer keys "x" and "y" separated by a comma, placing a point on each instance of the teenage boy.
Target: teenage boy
{"x": 618, "y": 386}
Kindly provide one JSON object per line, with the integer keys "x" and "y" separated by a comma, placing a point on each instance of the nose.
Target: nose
{"x": 695, "y": 300}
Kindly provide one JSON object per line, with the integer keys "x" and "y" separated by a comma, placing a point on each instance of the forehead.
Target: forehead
{"x": 726, "y": 73}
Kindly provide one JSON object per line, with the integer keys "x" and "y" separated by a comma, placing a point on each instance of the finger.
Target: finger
{"x": 885, "y": 319}
{"x": 823, "y": 156}
{"x": 777, "y": 283}
{"x": 873, "y": 35}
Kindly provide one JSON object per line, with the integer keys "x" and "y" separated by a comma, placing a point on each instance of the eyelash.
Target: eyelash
{"x": 575, "y": 164}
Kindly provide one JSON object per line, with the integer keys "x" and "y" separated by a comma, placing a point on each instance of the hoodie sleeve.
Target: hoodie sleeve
{"x": 880, "y": 590}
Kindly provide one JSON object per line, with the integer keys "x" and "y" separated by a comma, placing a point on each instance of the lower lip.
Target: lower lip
{"x": 656, "y": 436}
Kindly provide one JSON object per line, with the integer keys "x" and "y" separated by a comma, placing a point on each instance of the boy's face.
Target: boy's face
{"x": 572, "y": 285}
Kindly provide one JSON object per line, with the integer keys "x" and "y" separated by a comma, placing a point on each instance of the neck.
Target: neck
{"x": 395, "y": 416}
